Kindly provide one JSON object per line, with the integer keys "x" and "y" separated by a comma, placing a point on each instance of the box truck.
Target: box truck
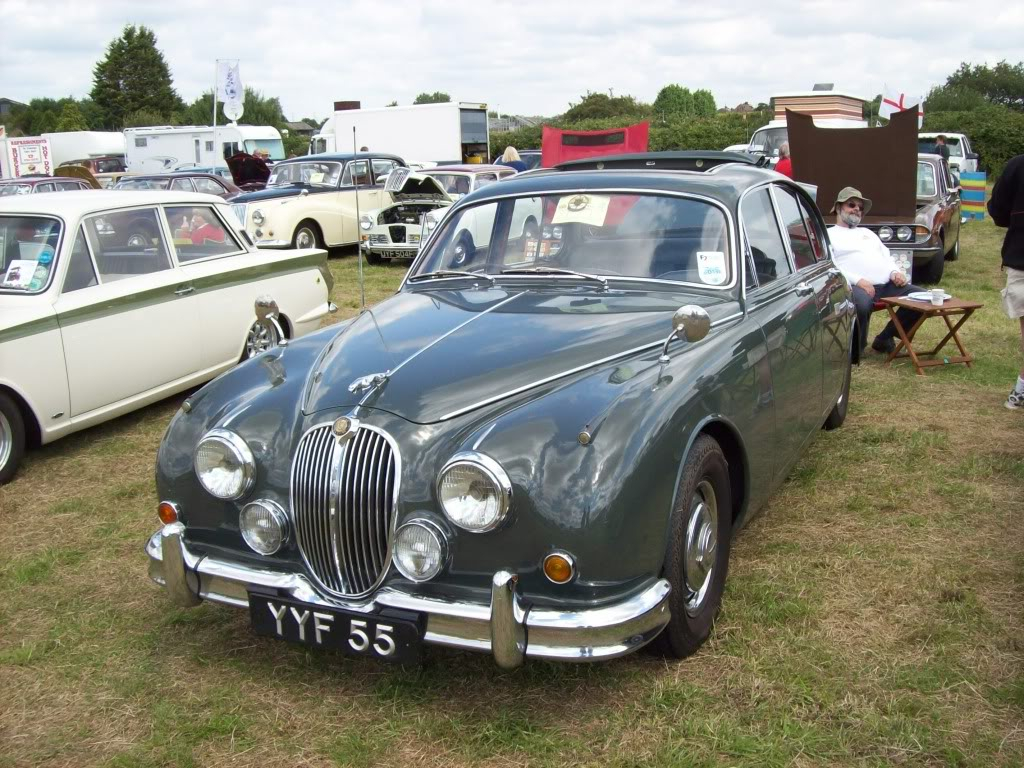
{"x": 162, "y": 148}
{"x": 69, "y": 146}
{"x": 450, "y": 132}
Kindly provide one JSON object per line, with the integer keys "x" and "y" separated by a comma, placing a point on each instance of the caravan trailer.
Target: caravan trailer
{"x": 163, "y": 148}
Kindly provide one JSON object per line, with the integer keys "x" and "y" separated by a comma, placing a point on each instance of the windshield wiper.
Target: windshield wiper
{"x": 450, "y": 273}
{"x": 553, "y": 271}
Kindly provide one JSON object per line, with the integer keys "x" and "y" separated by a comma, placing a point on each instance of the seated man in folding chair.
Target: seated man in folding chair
{"x": 867, "y": 264}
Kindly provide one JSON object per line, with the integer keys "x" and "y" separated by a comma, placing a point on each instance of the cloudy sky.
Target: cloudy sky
{"x": 530, "y": 57}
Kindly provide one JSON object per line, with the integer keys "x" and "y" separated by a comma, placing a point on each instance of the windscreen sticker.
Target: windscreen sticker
{"x": 20, "y": 273}
{"x": 711, "y": 267}
{"x": 316, "y": 178}
{"x": 581, "y": 209}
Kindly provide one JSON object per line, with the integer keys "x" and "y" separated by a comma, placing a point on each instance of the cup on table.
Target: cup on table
{"x": 938, "y": 296}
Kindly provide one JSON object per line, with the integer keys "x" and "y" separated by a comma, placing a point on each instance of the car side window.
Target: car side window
{"x": 80, "y": 272}
{"x": 209, "y": 186}
{"x": 793, "y": 222}
{"x": 44, "y": 188}
{"x": 127, "y": 244}
{"x": 382, "y": 167}
{"x": 355, "y": 173}
{"x": 483, "y": 179}
{"x": 198, "y": 233}
{"x": 762, "y": 229}
{"x": 181, "y": 185}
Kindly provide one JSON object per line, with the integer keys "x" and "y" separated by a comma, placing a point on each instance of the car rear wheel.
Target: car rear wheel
{"x": 307, "y": 235}
{"x": 261, "y": 337}
{"x": 12, "y": 438}
{"x": 697, "y": 559}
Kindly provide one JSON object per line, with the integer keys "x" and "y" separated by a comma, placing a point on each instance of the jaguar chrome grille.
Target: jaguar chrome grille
{"x": 343, "y": 504}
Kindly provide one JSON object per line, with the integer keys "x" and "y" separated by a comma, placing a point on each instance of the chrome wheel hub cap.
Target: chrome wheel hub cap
{"x": 260, "y": 339}
{"x": 305, "y": 239}
{"x": 701, "y": 545}
{"x": 137, "y": 241}
{"x": 6, "y": 440}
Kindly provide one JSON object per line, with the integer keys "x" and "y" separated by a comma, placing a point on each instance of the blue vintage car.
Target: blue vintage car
{"x": 543, "y": 444}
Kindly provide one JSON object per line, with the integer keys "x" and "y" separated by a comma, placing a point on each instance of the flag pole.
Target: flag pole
{"x": 359, "y": 227}
{"x": 216, "y": 73}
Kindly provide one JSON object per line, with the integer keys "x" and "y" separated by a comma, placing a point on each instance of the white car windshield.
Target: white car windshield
{"x": 15, "y": 189}
{"x": 319, "y": 174}
{"x": 452, "y": 183}
{"x": 28, "y": 252}
{"x": 769, "y": 139}
{"x": 586, "y": 235}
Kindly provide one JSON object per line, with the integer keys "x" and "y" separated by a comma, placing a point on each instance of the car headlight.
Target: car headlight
{"x": 224, "y": 464}
{"x": 430, "y": 221}
{"x": 258, "y": 218}
{"x": 474, "y": 491}
{"x": 885, "y": 234}
{"x": 264, "y": 526}
{"x": 421, "y": 550}
{"x": 903, "y": 234}
{"x": 366, "y": 222}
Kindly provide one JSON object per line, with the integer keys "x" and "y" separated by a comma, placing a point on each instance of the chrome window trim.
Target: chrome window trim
{"x": 498, "y": 476}
{"x": 783, "y": 231}
{"x": 458, "y": 206}
{"x": 57, "y": 255}
{"x": 746, "y": 241}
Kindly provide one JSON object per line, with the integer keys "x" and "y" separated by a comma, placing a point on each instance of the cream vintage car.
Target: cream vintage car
{"x": 395, "y": 231}
{"x": 315, "y": 201}
{"x": 110, "y": 301}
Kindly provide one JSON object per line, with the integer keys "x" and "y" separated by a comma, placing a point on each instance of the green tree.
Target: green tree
{"x": 947, "y": 98}
{"x": 598, "y": 105}
{"x": 1002, "y": 84}
{"x": 71, "y": 119}
{"x": 145, "y": 117}
{"x": 437, "y": 97}
{"x": 704, "y": 103}
{"x": 257, "y": 110}
{"x": 133, "y": 76}
{"x": 673, "y": 100}
{"x": 391, "y": 104}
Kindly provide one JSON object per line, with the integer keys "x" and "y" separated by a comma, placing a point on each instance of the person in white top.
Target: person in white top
{"x": 866, "y": 263}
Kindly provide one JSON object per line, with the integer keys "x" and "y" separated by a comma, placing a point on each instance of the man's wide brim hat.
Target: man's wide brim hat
{"x": 847, "y": 193}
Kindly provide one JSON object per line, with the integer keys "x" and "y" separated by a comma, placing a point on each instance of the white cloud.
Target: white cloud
{"x": 531, "y": 58}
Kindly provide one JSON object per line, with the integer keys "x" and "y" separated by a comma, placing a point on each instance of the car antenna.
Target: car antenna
{"x": 359, "y": 229}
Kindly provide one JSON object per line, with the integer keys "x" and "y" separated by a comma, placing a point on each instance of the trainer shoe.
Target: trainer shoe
{"x": 1015, "y": 400}
{"x": 885, "y": 346}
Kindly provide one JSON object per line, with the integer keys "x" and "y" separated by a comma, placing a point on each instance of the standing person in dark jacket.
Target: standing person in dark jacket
{"x": 511, "y": 159}
{"x": 1006, "y": 207}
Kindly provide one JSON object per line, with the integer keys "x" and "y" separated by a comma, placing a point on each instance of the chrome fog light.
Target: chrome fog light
{"x": 258, "y": 218}
{"x": 421, "y": 550}
{"x": 904, "y": 234}
{"x": 224, "y": 464}
{"x": 264, "y": 526}
{"x": 885, "y": 234}
{"x": 474, "y": 491}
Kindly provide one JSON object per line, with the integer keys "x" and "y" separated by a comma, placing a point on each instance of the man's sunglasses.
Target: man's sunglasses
{"x": 854, "y": 206}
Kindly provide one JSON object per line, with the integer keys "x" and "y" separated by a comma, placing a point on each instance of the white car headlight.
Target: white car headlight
{"x": 264, "y": 526}
{"x": 366, "y": 222}
{"x": 904, "y": 234}
{"x": 421, "y": 550}
{"x": 224, "y": 464}
{"x": 430, "y": 221}
{"x": 885, "y": 234}
{"x": 258, "y": 218}
{"x": 474, "y": 491}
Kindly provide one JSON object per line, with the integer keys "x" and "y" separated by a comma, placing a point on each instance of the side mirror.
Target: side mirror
{"x": 267, "y": 312}
{"x": 972, "y": 155}
{"x": 689, "y": 323}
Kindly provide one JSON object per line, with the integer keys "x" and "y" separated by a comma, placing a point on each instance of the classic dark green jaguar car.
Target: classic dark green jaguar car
{"x": 544, "y": 443}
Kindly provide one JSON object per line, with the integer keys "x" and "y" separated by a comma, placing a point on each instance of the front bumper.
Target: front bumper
{"x": 508, "y": 628}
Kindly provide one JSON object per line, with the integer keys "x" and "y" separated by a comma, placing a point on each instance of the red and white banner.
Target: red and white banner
{"x": 893, "y": 101}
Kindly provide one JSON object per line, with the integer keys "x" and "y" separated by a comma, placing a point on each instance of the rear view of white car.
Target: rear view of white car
{"x": 110, "y": 301}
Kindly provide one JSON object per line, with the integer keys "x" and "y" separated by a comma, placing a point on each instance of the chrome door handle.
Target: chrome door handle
{"x": 184, "y": 290}
{"x": 804, "y": 289}
{"x": 833, "y": 274}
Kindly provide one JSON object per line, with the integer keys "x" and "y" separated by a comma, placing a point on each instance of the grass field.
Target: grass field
{"x": 873, "y": 614}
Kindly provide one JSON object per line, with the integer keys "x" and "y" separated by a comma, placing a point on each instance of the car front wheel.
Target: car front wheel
{"x": 931, "y": 272}
{"x": 12, "y": 438}
{"x": 307, "y": 235}
{"x": 697, "y": 559}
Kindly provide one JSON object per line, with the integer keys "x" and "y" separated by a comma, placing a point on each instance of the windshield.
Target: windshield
{"x": 272, "y": 149}
{"x": 595, "y": 234}
{"x": 770, "y": 139}
{"x": 28, "y": 249}
{"x": 925, "y": 180}
{"x": 15, "y": 189}
{"x": 928, "y": 145}
{"x": 306, "y": 172}
{"x": 452, "y": 183}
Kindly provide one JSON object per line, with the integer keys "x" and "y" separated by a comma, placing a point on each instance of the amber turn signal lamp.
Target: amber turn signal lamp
{"x": 167, "y": 512}
{"x": 559, "y": 567}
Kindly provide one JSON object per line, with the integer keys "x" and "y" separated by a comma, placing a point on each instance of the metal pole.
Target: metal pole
{"x": 216, "y": 150}
{"x": 359, "y": 227}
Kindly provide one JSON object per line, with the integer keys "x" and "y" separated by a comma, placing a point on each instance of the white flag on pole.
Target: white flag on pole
{"x": 229, "y": 82}
{"x": 894, "y": 101}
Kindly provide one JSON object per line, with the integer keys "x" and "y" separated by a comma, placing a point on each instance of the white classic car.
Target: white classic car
{"x": 395, "y": 231}
{"x": 311, "y": 201}
{"x": 110, "y": 301}
{"x": 460, "y": 180}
